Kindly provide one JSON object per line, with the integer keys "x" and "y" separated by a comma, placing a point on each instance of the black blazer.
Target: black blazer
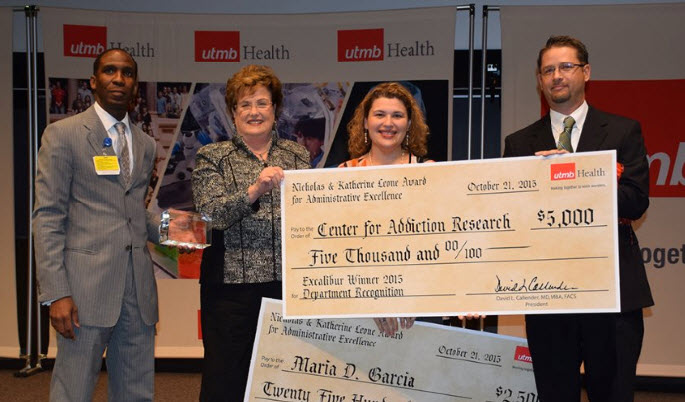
{"x": 603, "y": 131}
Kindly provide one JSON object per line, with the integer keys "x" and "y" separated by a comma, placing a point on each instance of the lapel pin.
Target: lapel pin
{"x": 106, "y": 143}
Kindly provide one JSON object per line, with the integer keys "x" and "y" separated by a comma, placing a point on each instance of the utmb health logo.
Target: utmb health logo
{"x": 225, "y": 47}
{"x": 217, "y": 46}
{"x": 91, "y": 40}
{"x": 563, "y": 171}
{"x": 84, "y": 40}
{"x": 368, "y": 45}
{"x": 568, "y": 171}
{"x": 522, "y": 354}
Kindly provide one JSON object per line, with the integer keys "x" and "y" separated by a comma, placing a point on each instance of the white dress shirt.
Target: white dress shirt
{"x": 578, "y": 115}
{"x": 109, "y": 121}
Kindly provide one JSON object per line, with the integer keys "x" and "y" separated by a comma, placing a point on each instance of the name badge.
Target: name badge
{"x": 106, "y": 165}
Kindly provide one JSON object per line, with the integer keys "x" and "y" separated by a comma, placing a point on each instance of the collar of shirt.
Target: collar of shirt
{"x": 240, "y": 143}
{"x": 557, "y": 120}
{"x": 108, "y": 121}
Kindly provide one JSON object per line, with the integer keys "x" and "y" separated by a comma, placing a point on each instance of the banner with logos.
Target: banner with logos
{"x": 327, "y": 63}
{"x": 382, "y": 46}
{"x": 636, "y": 72}
{"x": 9, "y": 340}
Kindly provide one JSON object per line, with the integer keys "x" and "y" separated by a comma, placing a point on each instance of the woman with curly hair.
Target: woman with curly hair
{"x": 387, "y": 128}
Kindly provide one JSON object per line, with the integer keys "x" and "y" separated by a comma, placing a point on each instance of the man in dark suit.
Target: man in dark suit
{"x": 91, "y": 230}
{"x": 608, "y": 344}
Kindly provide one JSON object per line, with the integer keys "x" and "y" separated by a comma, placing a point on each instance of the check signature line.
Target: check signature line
{"x": 374, "y": 383}
{"x": 469, "y": 361}
{"x": 454, "y": 263}
{"x": 537, "y": 292}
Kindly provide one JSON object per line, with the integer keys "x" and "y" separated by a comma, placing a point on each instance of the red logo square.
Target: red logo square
{"x": 563, "y": 171}
{"x": 360, "y": 45}
{"x": 522, "y": 354}
{"x": 217, "y": 46}
{"x": 84, "y": 40}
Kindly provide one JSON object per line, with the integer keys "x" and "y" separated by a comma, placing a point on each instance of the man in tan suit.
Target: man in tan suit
{"x": 91, "y": 230}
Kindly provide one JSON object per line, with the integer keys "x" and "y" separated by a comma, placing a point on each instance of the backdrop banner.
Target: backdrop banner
{"x": 636, "y": 59}
{"x": 9, "y": 338}
{"x": 327, "y": 63}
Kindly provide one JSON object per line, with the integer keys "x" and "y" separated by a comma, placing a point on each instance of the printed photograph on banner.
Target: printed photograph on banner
{"x": 309, "y": 116}
{"x": 432, "y": 98}
{"x": 160, "y": 124}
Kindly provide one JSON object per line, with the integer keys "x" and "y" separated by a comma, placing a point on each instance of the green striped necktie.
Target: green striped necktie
{"x": 565, "y": 136}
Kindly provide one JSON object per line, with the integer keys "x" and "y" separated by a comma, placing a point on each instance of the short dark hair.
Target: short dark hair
{"x": 96, "y": 63}
{"x": 312, "y": 128}
{"x": 565, "y": 41}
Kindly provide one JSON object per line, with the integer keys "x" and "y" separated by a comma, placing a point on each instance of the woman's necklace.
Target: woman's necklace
{"x": 401, "y": 157}
{"x": 262, "y": 155}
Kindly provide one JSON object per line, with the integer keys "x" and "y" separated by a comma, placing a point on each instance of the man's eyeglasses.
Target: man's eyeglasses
{"x": 260, "y": 104}
{"x": 564, "y": 68}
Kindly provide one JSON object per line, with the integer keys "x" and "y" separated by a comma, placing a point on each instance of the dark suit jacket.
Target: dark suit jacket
{"x": 87, "y": 227}
{"x": 603, "y": 131}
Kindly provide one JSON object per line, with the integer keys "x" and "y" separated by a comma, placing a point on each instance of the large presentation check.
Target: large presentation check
{"x": 503, "y": 236}
{"x": 334, "y": 360}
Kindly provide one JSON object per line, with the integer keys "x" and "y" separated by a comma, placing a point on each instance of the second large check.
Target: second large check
{"x": 504, "y": 236}
{"x": 348, "y": 360}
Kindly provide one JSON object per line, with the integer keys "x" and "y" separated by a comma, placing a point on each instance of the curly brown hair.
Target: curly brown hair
{"x": 249, "y": 77}
{"x": 417, "y": 132}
